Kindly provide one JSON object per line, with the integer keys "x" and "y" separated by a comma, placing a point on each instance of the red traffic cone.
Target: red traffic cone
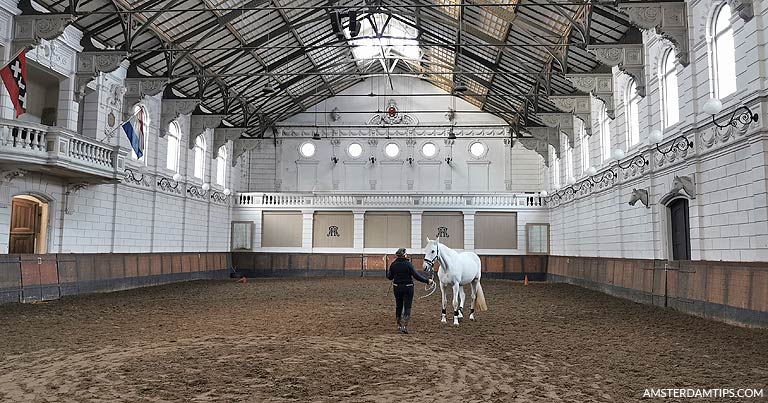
{"x": 525, "y": 282}
{"x": 242, "y": 280}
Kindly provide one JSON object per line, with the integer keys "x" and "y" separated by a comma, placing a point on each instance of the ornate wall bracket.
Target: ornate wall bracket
{"x": 560, "y": 121}
{"x": 200, "y": 122}
{"x": 91, "y": 64}
{"x": 540, "y": 146}
{"x": 598, "y": 84}
{"x": 630, "y": 58}
{"x": 172, "y": 108}
{"x": 6, "y": 177}
{"x": 670, "y": 20}
{"x": 579, "y": 105}
{"x": 69, "y": 194}
{"x": 30, "y": 28}
{"x": 223, "y": 134}
{"x": 744, "y": 8}
{"x": 242, "y": 146}
{"x": 138, "y": 88}
{"x": 550, "y": 135}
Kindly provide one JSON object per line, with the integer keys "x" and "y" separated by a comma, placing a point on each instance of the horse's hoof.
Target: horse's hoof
{"x": 472, "y": 317}
{"x": 456, "y": 324}
{"x": 443, "y": 321}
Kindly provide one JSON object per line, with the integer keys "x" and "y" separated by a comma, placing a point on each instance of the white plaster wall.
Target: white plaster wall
{"x": 729, "y": 220}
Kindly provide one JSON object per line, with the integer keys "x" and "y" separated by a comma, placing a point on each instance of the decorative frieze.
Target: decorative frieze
{"x": 630, "y": 58}
{"x": 357, "y": 131}
{"x": 744, "y": 8}
{"x": 560, "y": 121}
{"x": 598, "y": 84}
{"x": 670, "y": 20}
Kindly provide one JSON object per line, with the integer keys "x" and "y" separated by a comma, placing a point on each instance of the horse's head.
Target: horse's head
{"x": 430, "y": 253}
{"x": 641, "y": 195}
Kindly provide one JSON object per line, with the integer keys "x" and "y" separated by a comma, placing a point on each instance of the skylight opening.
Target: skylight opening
{"x": 395, "y": 41}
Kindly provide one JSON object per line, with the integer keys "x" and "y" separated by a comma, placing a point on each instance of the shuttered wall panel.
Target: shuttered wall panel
{"x": 387, "y": 230}
{"x": 333, "y": 230}
{"x": 538, "y": 238}
{"x": 281, "y": 229}
{"x": 495, "y": 230}
{"x": 448, "y": 225}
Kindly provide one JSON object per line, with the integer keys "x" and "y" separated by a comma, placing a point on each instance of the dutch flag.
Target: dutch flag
{"x": 135, "y": 137}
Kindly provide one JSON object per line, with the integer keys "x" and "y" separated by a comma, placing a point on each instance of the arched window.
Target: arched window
{"x": 632, "y": 100}
{"x": 199, "y": 156}
{"x": 556, "y": 173}
{"x": 140, "y": 123}
{"x": 605, "y": 135}
{"x": 221, "y": 166}
{"x": 568, "y": 163}
{"x": 174, "y": 139}
{"x": 670, "y": 101}
{"x": 723, "y": 53}
{"x": 584, "y": 149}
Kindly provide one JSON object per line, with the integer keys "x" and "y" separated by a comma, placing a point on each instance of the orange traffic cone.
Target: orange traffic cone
{"x": 242, "y": 280}
{"x": 525, "y": 282}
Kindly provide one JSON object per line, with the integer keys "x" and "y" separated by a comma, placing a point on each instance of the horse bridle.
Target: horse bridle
{"x": 431, "y": 263}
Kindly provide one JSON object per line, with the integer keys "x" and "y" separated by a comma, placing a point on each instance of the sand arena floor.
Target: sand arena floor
{"x": 334, "y": 340}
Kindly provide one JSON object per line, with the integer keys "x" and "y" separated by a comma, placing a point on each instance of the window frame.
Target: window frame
{"x": 201, "y": 155}
{"x": 605, "y": 135}
{"x": 171, "y": 126}
{"x": 631, "y": 97}
{"x": 221, "y": 165}
{"x": 667, "y": 69}
{"x": 715, "y": 51}
{"x": 584, "y": 144}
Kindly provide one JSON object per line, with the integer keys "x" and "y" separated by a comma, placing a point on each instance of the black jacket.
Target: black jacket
{"x": 401, "y": 271}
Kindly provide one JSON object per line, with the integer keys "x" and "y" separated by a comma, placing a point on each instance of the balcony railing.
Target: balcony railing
{"x": 388, "y": 200}
{"x": 31, "y": 145}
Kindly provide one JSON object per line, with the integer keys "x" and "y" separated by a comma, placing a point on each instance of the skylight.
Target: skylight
{"x": 385, "y": 38}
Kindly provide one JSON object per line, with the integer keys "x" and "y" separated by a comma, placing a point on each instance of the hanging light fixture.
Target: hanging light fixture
{"x": 451, "y": 134}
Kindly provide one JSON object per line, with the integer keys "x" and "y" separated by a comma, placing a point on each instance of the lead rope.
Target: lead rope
{"x": 432, "y": 273}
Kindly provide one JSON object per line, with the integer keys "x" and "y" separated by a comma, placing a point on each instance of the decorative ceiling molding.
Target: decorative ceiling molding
{"x": 598, "y": 84}
{"x": 630, "y": 58}
{"x": 562, "y": 122}
{"x": 172, "y": 108}
{"x": 550, "y": 135}
{"x": 540, "y": 146}
{"x": 199, "y": 123}
{"x": 579, "y": 105}
{"x": 744, "y": 8}
{"x": 91, "y": 64}
{"x": 670, "y": 20}
{"x": 397, "y": 131}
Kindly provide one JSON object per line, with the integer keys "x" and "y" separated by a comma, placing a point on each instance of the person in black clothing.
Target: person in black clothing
{"x": 402, "y": 273}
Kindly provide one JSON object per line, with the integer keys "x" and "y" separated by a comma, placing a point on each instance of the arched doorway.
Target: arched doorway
{"x": 680, "y": 229}
{"x": 29, "y": 225}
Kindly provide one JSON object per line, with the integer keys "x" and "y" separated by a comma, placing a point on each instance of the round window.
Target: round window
{"x": 307, "y": 150}
{"x": 429, "y": 150}
{"x": 355, "y": 150}
{"x": 477, "y": 149}
{"x": 392, "y": 150}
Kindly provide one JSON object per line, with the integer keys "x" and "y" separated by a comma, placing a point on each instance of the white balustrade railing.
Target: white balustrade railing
{"x": 411, "y": 200}
{"x": 57, "y": 146}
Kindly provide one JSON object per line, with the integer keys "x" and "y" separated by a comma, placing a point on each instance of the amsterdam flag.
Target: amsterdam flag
{"x": 14, "y": 76}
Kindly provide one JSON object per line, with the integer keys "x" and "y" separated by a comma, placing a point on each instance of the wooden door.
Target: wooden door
{"x": 681, "y": 230}
{"x": 24, "y": 226}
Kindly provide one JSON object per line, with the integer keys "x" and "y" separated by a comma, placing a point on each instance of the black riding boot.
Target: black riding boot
{"x": 405, "y": 324}
{"x": 399, "y": 325}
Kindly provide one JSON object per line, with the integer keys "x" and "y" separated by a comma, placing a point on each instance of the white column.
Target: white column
{"x": 416, "y": 240}
{"x": 469, "y": 230}
{"x": 257, "y": 226}
{"x": 308, "y": 217}
{"x": 359, "y": 230}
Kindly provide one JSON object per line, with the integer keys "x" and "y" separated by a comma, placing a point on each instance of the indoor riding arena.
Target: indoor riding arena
{"x": 242, "y": 201}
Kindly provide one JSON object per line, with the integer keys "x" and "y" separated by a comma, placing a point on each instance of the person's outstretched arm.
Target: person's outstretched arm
{"x": 416, "y": 274}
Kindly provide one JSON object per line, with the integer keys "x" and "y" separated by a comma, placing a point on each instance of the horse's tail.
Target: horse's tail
{"x": 480, "y": 304}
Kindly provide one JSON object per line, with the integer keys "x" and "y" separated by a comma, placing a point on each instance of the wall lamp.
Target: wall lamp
{"x": 372, "y": 159}
{"x": 679, "y": 144}
{"x": 741, "y": 116}
{"x": 638, "y": 160}
{"x": 198, "y": 191}
{"x": 334, "y": 159}
{"x": 410, "y": 160}
{"x": 448, "y": 160}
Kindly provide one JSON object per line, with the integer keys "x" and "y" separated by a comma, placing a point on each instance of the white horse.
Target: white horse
{"x": 456, "y": 270}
